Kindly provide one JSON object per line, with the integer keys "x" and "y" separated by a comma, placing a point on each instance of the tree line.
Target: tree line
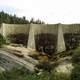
{"x": 13, "y": 19}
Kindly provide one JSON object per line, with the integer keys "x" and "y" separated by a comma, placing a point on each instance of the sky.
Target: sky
{"x": 49, "y": 11}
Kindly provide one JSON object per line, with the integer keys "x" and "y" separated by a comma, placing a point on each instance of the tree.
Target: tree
{"x": 6, "y": 18}
{"x": 32, "y": 20}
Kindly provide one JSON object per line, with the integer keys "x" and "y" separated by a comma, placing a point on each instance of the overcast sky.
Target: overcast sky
{"x": 50, "y": 11}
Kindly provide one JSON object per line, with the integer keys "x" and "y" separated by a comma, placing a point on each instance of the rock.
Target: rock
{"x": 64, "y": 67}
{"x": 9, "y": 61}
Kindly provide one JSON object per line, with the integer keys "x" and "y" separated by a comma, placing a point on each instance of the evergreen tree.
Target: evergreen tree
{"x": 6, "y": 18}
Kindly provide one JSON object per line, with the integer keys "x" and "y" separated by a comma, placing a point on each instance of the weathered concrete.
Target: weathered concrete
{"x": 60, "y": 41}
{"x": 7, "y": 29}
{"x": 35, "y": 29}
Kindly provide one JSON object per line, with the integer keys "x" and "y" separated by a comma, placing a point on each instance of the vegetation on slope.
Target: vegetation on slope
{"x": 13, "y": 19}
{"x": 16, "y": 74}
{"x": 76, "y": 63}
{"x": 2, "y": 40}
{"x": 21, "y": 75}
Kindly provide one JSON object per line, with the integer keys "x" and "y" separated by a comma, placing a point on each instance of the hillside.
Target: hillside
{"x": 66, "y": 67}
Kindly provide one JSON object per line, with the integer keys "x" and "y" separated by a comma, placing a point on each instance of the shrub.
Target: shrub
{"x": 46, "y": 66}
{"x": 76, "y": 56}
{"x": 76, "y": 72}
{"x": 16, "y": 74}
{"x": 59, "y": 76}
{"x": 2, "y": 40}
{"x": 76, "y": 63}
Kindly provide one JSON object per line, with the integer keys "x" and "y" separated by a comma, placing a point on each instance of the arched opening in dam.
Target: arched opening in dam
{"x": 71, "y": 40}
{"x": 46, "y": 43}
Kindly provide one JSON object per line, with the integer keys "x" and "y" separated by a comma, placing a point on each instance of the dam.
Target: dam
{"x": 43, "y": 37}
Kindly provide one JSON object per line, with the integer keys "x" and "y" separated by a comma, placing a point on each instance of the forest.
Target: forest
{"x": 13, "y": 19}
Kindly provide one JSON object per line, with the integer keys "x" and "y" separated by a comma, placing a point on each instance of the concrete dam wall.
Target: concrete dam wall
{"x": 43, "y": 37}
{"x": 11, "y": 31}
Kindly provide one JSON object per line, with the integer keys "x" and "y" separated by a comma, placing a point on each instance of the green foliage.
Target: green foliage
{"x": 76, "y": 63}
{"x": 16, "y": 74}
{"x": 46, "y": 66}
{"x": 76, "y": 72}
{"x": 2, "y": 40}
{"x": 36, "y": 22}
{"x": 76, "y": 56}
{"x": 59, "y": 76}
{"x": 6, "y": 18}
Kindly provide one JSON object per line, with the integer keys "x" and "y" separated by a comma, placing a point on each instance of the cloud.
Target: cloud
{"x": 50, "y": 11}
{"x": 8, "y": 9}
